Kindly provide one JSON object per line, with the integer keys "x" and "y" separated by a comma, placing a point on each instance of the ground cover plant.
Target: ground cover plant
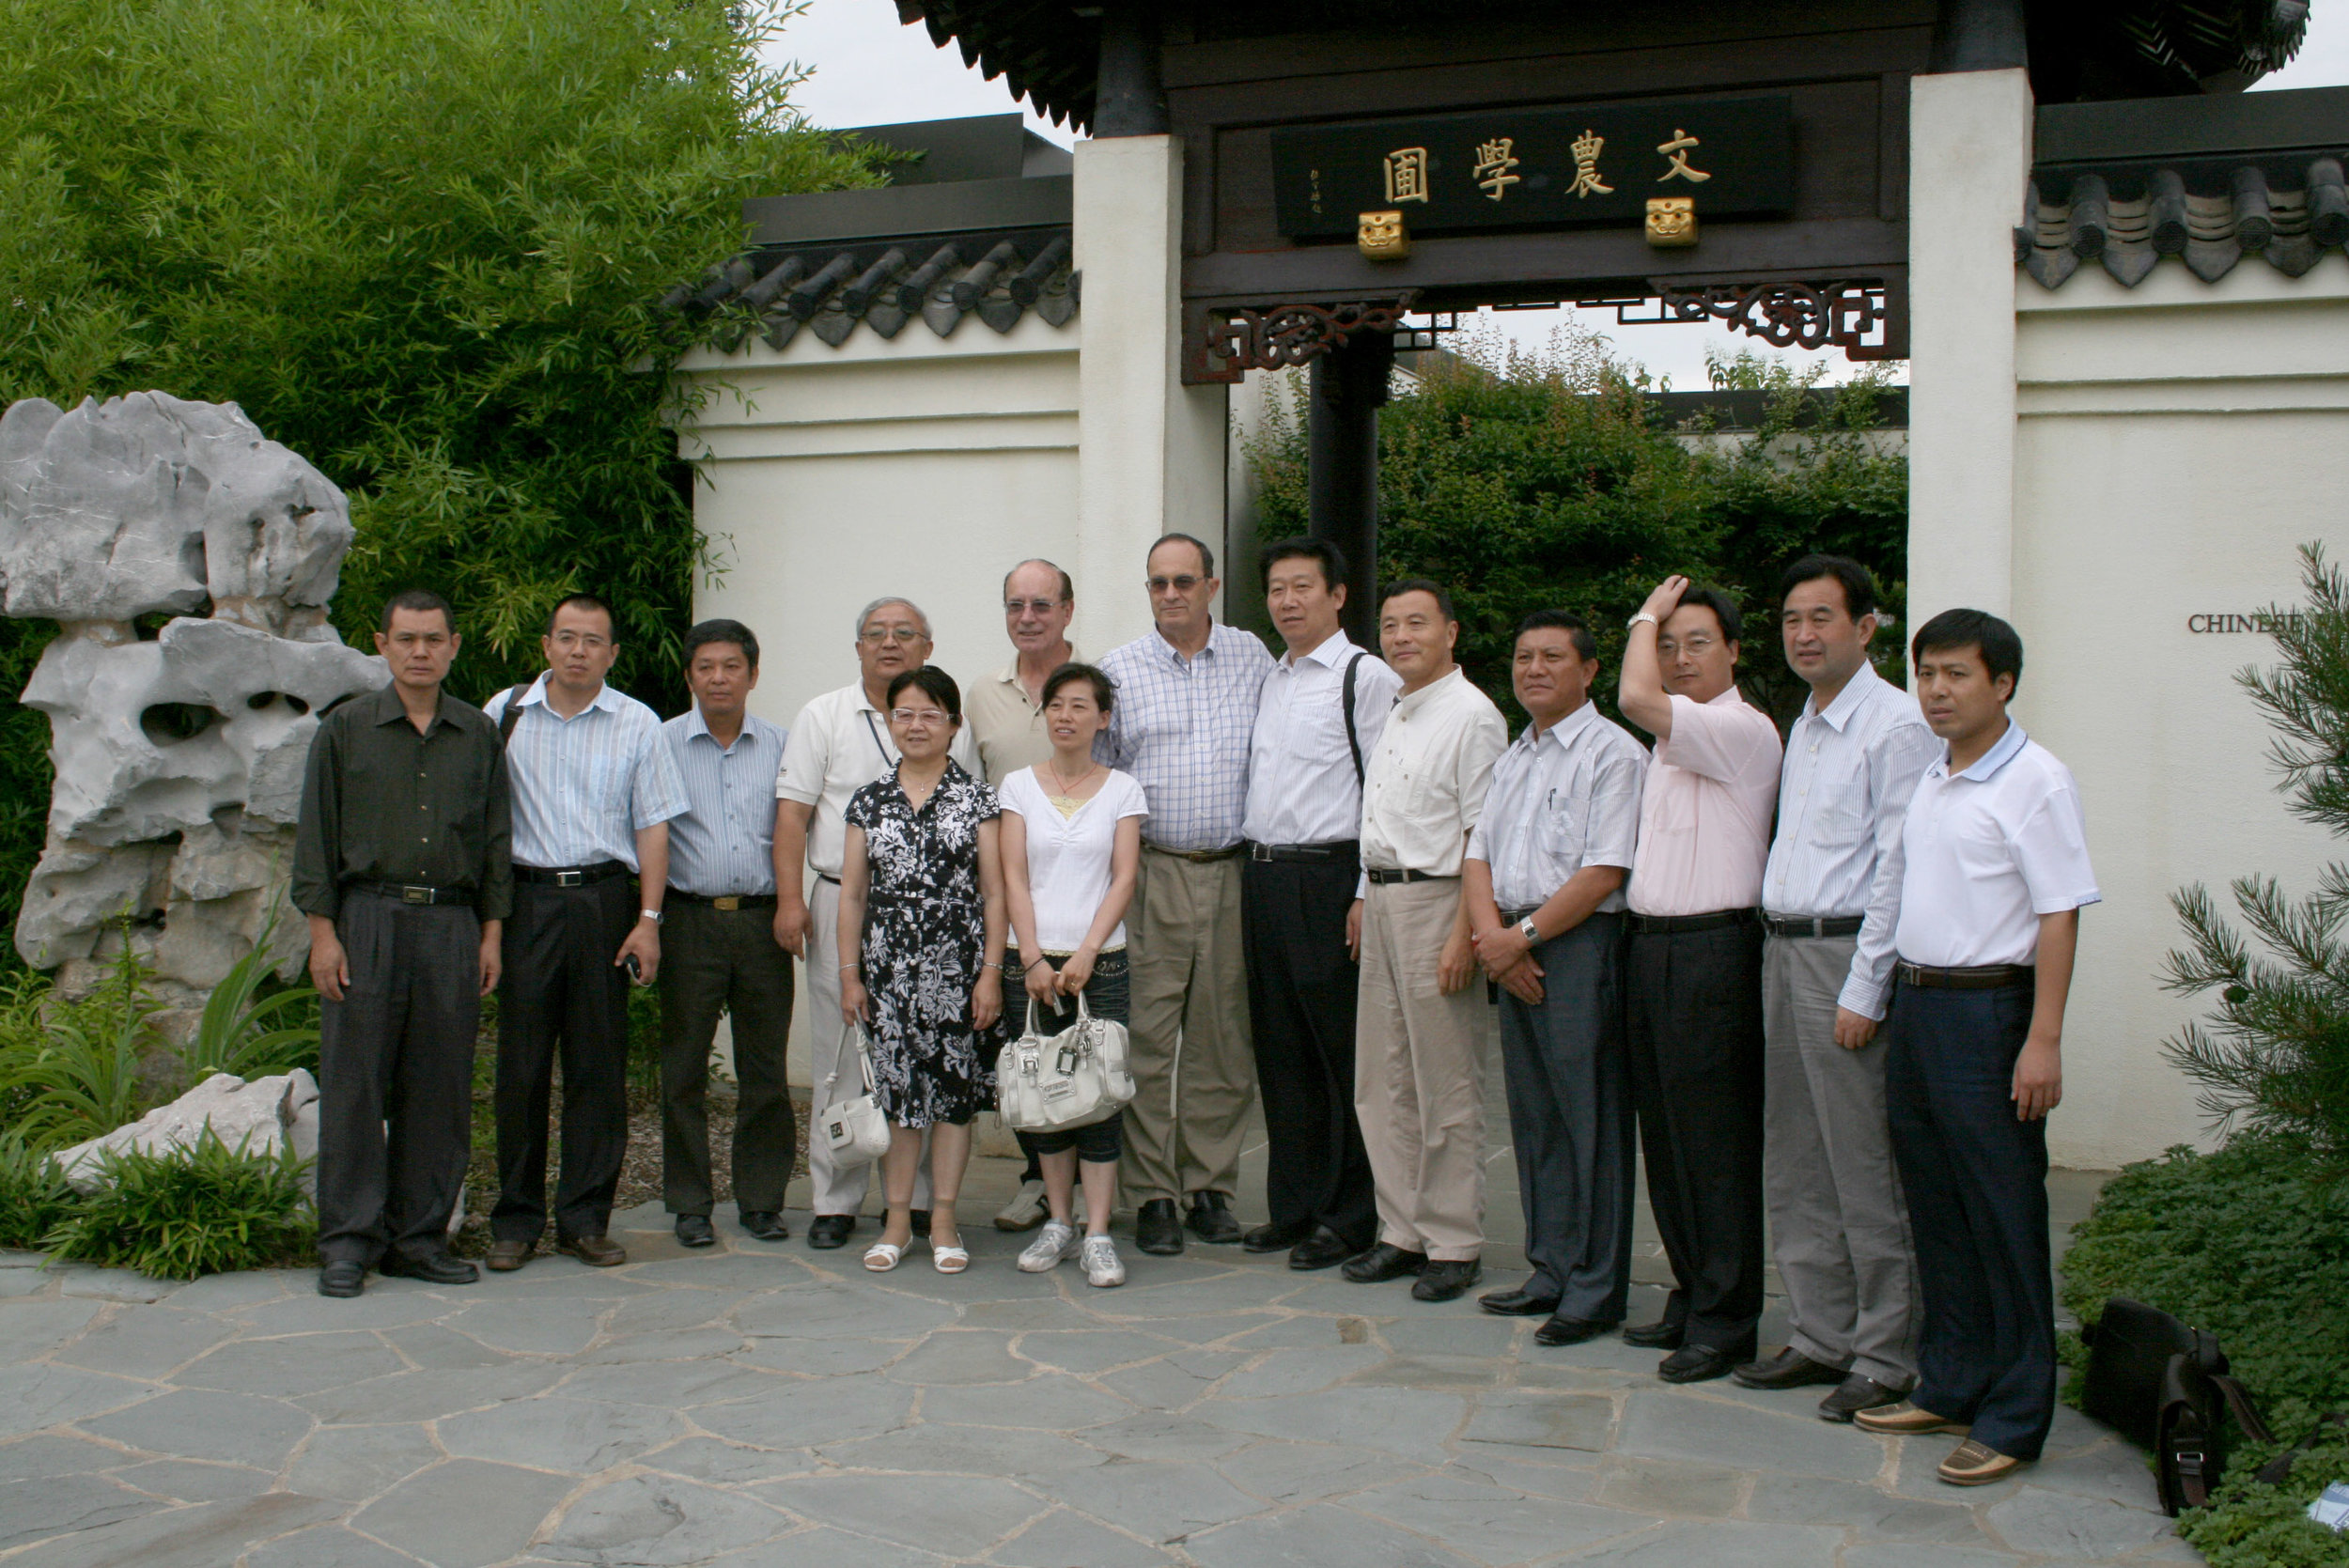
{"x": 207, "y": 1208}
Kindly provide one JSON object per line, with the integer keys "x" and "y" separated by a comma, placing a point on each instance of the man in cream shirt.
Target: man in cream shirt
{"x": 1694, "y": 972}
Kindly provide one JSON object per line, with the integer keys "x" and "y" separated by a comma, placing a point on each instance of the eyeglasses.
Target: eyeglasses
{"x": 587, "y": 639}
{"x": 917, "y": 716}
{"x": 1182, "y": 584}
{"x": 1697, "y": 646}
{"x": 1031, "y": 606}
{"x": 877, "y": 635}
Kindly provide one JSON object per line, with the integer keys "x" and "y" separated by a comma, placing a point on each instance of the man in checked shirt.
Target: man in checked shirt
{"x": 1187, "y": 693}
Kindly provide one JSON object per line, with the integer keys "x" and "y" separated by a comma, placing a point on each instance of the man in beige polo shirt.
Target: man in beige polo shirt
{"x": 1693, "y": 970}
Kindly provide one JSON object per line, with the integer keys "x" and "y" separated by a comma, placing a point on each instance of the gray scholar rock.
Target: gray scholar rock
{"x": 178, "y": 755}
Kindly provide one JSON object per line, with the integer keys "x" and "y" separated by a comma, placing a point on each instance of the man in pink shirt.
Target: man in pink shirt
{"x": 1693, "y": 970}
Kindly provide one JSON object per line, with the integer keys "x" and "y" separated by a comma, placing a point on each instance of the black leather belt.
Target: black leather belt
{"x": 1813, "y": 926}
{"x": 1984, "y": 977}
{"x": 1202, "y": 856}
{"x": 571, "y": 876}
{"x": 1387, "y": 879}
{"x": 1717, "y": 920}
{"x": 406, "y": 892}
{"x": 1336, "y": 850}
{"x": 725, "y": 901}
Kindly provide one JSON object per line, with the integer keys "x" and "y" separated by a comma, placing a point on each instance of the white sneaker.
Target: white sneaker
{"x": 1025, "y": 1211}
{"x": 1102, "y": 1266}
{"x": 1050, "y": 1245}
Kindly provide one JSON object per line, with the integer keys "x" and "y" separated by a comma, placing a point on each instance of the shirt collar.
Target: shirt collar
{"x": 1571, "y": 726}
{"x": 605, "y": 697}
{"x": 388, "y": 707}
{"x": 1330, "y": 655}
{"x": 1987, "y": 765}
{"x": 1411, "y": 701}
{"x": 1174, "y": 654}
{"x": 1856, "y": 690}
{"x": 695, "y": 725}
{"x": 1009, "y": 674}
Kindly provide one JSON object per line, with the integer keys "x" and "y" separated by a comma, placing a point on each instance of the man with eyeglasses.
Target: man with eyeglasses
{"x": 838, "y": 744}
{"x": 594, "y": 787}
{"x": 1187, "y": 695}
{"x": 1004, "y": 716}
{"x": 1693, "y": 970}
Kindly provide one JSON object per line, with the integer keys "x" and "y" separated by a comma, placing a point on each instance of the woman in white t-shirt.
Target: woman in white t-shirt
{"x": 1072, "y": 848}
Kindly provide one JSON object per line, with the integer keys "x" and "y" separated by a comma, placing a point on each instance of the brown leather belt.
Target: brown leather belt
{"x": 1986, "y": 977}
{"x": 727, "y": 901}
{"x": 1202, "y": 856}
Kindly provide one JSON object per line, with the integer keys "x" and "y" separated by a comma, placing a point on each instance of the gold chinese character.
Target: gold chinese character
{"x": 1677, "y": 150}
{"x": 1587, "y": 148}
{"x": 1407, "y": 174}
{"x": 1493, "y": 163}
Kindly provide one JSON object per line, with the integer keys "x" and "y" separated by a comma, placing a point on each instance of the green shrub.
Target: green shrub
{"x": 2246, "y": 1244}
{"x": 33, "y": 1198}
{"x": 205, "y": 1209}
{"x": 254, "y": 1038}
{"x": 69, "y": 1070}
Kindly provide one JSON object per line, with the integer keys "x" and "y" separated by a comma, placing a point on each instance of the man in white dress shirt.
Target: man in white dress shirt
{"x": 594, "y": 787}
{"x": 1545, "y": 875}
{"x": 1321, "y": 712}
{"x": 1829, "y": 896}
{"x": 840, "y": 743}
{"x": 1995, "y": 873}
{"x": 1418, "y": 1072}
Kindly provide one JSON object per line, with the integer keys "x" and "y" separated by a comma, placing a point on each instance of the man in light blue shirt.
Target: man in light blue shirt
{"x": 1831, "y": 898}
{"x": 719, "y": 948}
{"x": 594, "y": 787}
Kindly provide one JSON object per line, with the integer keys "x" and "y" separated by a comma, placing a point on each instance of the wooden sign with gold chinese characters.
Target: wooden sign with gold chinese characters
{"x": 1543, "y": 167}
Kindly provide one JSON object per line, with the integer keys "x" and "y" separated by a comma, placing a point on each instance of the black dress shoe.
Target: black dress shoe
{"x": 1447, "y": 1278}
{"x": 1701, "y": 1363}
{"x": 1324, "y": 1249}
{"x": 342, "y": 1279}
{"x": 694, "y": 1230}
{"x": 1385, "y": 1261}
{"x": 766, "y": 1224}
{"x": 441, "y": 1269}
{"x": 1789, "y": 1369}
{"x": 828, "y": 1231}
{"x": 1520, "y": 1302}
{"x": 1569, "y": 1330}
{"x": 1211, "y": 1218}
{"x": 1663, "y": 1334}
{"x": 1856, "y": 1394}
{"x": 1157, "y": 1230}
{"x": 1275, "y": 1238}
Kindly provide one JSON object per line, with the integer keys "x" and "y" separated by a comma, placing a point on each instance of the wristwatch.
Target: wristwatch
{"x": 1532, "y": 937}
{"x": 653, "y": 915}
{"x": 1642, "y": 615}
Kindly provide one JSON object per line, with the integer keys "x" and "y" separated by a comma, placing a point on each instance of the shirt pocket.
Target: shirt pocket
{"x": 1561, "y": 832}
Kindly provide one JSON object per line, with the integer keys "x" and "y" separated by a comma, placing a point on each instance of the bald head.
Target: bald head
{"x": 1038, "y": 602}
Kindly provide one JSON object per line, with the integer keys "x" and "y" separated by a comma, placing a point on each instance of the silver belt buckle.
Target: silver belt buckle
{"x": 1260, "y": 852}
{"x": 570, "y": 878}
{"x": 415, "y": 895}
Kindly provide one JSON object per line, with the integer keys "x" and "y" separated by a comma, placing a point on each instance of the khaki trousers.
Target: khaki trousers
{"x": 1194, "y": 1068}
{"x": 1419, "y": 1075}
{"x": 833, "y": 1188}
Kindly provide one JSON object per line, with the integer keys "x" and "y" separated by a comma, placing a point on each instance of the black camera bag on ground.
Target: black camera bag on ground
{"x": 2164, "y": 1385}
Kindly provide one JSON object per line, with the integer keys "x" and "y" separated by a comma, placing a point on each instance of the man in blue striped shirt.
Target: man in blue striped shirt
{"x": 594, "y": 789}
{"x": 719, "y": 948}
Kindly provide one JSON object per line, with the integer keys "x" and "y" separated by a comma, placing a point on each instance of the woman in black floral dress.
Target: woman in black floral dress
{"x": 922, "y": 934}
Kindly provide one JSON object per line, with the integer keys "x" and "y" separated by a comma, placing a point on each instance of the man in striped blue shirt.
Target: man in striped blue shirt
{"x": 719, "y": 948}
{"x": 594, "y": 789}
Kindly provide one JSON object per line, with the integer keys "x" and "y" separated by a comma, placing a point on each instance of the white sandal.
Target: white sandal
{"x": 950, "y": 1260}
{"x": 882, "y": 1256}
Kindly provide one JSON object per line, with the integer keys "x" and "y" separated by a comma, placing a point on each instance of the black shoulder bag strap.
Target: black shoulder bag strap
{"x": 1346, "y": 700}
{"x": 513, "y": 714}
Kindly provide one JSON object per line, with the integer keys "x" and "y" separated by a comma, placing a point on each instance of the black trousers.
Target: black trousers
{"x": 1693, "y": 1016}
{"x": 563, "y": 995}
{"x": 395, "y": 1079}
{"x": 1301, "y": 993}
{"x": 724, "y": 960}
{"x": 1977, "y": 1184}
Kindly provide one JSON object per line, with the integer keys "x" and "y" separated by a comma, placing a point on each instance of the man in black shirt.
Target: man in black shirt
{"x": 402, "y": 864}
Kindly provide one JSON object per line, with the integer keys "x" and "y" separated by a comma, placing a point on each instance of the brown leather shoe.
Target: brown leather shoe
{"x": 1976, "y": 1464}
{"x": 507, "y": 1256}
{"x": 596, "y": 1251}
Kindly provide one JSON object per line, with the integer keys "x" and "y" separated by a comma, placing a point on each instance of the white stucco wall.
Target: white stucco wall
{"x": 2175, "y": 443}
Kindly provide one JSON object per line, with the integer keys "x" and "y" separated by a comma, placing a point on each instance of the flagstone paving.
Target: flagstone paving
{"x": 767, "y": 1404}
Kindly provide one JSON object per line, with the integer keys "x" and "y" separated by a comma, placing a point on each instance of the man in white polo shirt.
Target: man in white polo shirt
{"x": 1996, "y": 875}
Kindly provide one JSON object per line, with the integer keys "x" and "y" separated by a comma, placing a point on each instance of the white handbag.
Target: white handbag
{"x": 1070, "y": 1079}
{"x": 855, "y": 1128}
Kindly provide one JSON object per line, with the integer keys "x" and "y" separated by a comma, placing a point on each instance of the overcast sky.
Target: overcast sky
{"x": 868, "y": 70}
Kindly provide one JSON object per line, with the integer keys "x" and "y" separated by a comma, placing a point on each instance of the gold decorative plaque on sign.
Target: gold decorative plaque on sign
{"x": 1381, "y": 236}
{"x": 1672, "y": 221}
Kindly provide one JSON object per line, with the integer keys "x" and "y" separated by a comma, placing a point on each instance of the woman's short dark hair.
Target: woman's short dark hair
{"x": 1104, "y": 688}
{"x": 1420, "y": 585}
{"x": 2001, "y": 646}
{"x": 736, "y": 632}
{"x": 934, "y": 683}
{"x": 1574, "y": 625}
{"x": 1724, "y": 610}
{"x": 1322, "y": 553}
{"x": 1860, "y": 589}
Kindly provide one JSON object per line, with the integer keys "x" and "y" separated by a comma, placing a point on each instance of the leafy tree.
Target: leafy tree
{"x": 2274, "y": 1053}
{"x": 423, "y": 245}
{"x": 1522, "y": 480}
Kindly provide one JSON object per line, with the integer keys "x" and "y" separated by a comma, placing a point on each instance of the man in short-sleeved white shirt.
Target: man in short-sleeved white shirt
{"x": 1995, "y": 873}
{"x": 838, "y": 744}
{"x": 1693, "y": 987}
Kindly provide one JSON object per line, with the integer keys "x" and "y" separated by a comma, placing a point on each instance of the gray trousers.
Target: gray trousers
{"x": 717, "y": 960}
{"x": 1839, "y": 1225}
{"x": 395, "y": 1079}
{"x": 1570, "y": 1119}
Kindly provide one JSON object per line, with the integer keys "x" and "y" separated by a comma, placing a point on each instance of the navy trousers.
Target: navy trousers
{"x": 1976, "y": 1183}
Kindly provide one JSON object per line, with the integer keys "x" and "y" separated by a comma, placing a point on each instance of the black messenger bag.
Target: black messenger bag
{"x": 2164, "y": 1385}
